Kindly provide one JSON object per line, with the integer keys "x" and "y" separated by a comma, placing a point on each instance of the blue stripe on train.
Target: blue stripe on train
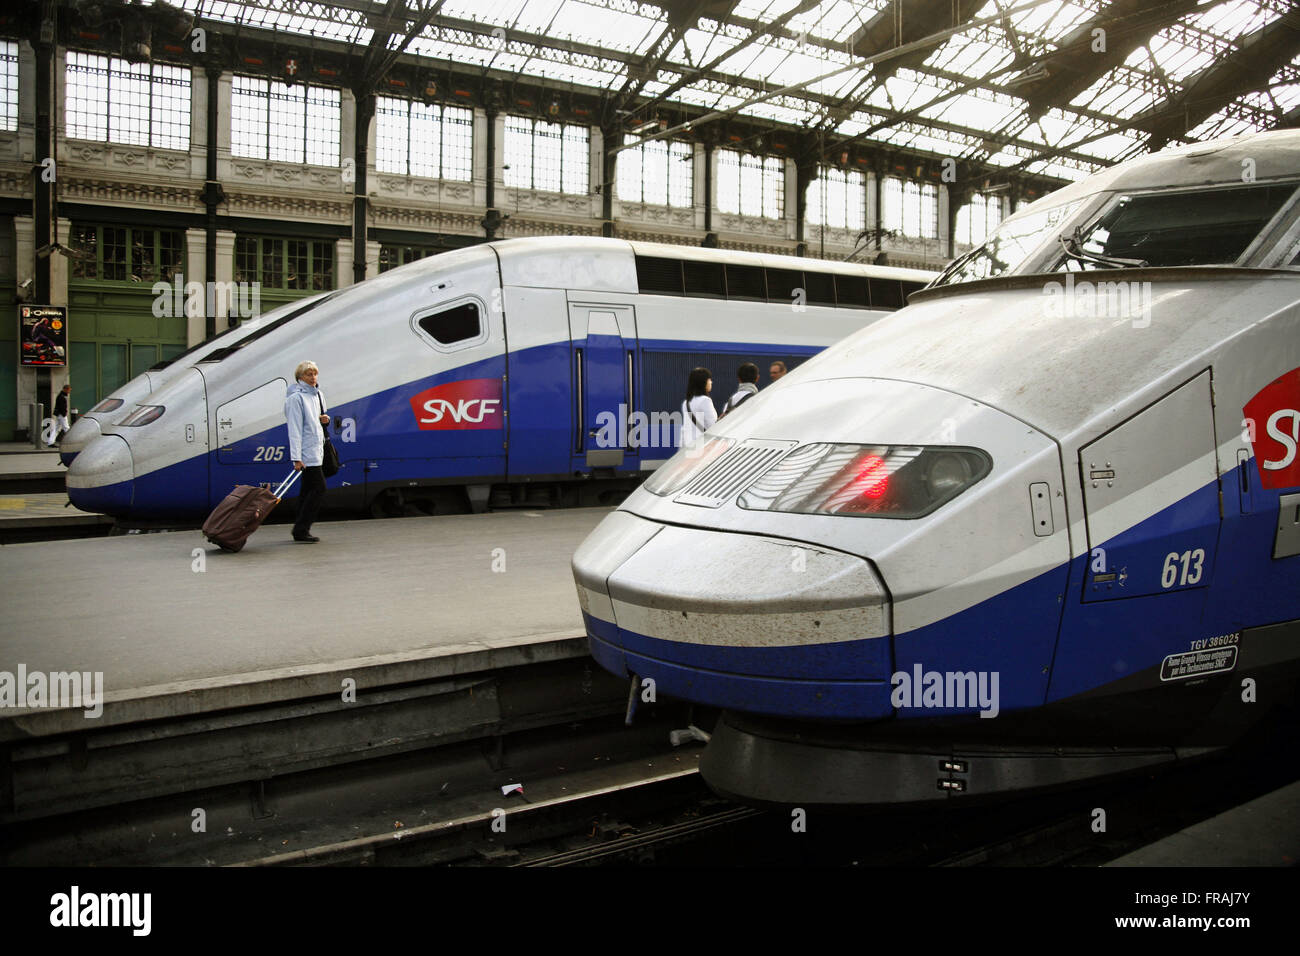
{"x": 785, "y": 697}
{"x": 389, "y": 447}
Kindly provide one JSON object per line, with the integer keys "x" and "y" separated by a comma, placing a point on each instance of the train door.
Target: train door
{"x": 1151, "y": 501}
{"x": 1259, "y": 467}
{"x": 603, "y": 341}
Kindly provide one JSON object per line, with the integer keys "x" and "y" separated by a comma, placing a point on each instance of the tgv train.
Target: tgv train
{"x": 1042, "y": 525}
{"x": 532, "y": 363}
{"x": 88, "y": 427}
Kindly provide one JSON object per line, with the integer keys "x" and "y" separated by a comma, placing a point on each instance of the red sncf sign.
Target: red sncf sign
{"x": 1273, "y": 420}
{"x": 473, "y": 403}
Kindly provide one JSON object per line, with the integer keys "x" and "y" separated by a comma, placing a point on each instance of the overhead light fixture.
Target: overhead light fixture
{"x": 645, "y": 127}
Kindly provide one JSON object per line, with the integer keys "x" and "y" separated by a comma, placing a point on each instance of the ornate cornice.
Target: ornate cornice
{"x": 671, "y": 238}
{"x": 657, "y": 215}
{"x": 772, "y": 248}
{"x": 104, "y": 192}
{"x": 287, "y": 205}
{"x": 516, "y": 227}
{"x": 91, "y": 159}
{"x": 425, "y": 219}
{"x": 426, "y": 190}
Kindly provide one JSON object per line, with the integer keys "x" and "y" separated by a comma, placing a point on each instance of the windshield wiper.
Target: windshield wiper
{"x": 1073, "y": 246}
{"x": 955, "y": 265}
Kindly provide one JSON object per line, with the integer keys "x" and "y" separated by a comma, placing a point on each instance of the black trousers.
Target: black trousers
{"x": 309, "y": 498}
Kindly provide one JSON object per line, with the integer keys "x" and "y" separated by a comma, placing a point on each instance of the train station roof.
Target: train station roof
{"x": 1053, "y": 87}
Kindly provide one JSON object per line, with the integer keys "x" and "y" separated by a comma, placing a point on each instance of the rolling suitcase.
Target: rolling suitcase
{"x": 242, "y": 512}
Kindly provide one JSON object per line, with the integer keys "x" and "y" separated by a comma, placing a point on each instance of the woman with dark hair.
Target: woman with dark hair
{"x": 698, "y": 413}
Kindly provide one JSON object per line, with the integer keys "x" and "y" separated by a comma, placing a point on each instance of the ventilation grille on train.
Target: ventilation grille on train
{"x": 725, "y": 478}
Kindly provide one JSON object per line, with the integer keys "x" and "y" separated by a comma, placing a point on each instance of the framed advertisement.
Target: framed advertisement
{"x": 43, "y": 336}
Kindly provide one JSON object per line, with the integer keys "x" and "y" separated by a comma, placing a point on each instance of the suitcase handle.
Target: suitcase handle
{"x": 287, "y": 483}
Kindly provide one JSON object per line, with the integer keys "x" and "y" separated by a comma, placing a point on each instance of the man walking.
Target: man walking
{"x": 61, "y": 414}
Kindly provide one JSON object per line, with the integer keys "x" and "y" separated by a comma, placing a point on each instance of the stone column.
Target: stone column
{"x": 196, "y": 250}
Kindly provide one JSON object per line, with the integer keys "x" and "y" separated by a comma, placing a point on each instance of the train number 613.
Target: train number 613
{"x": 269, "y": 453}
{"x": 1191, "y": 567}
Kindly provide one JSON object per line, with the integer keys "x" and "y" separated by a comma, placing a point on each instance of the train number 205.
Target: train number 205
{"x": 276, "y": 453}
{"x": 1189, "y": 562}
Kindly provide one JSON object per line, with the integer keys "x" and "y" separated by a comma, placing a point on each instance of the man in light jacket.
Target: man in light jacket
{"x": 304, "y": 411}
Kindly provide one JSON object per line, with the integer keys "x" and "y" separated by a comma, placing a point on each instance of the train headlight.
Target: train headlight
{"x": 882, "y": 481}
{"x": 947, "y": 474}
{"x": 673, "y": 474}
{"x": 143, "y": 415}
{"x": 108, "y": 405}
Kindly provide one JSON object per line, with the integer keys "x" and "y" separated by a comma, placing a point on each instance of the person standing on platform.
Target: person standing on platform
{"x": 777, "y": 370}
{"x": 698, "y": 413}
{"x": 61, "y": 413}
{"x": 304, "y": 411}
{"x": 747, "y": 374}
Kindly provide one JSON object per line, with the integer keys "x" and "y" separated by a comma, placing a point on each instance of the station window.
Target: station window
{"x": 412, "y": 139}
{"x": 126, "y": 253}
{"x": 911, "y": 208}
{"x": 392, "y": 256}
{"x": 658, "y": 172}
{"x": 460, "y": 323}
{"x": 136, "y": 104}
{"x": 287, "y": 124}
{"x": 552, "y": 157}
{"x": 837, "y": 198}
{"x": 306, "y": 264}
{"x": 977, "y": 220}
{"x": 751, "y": 185}
{"x": 8, "y": 86}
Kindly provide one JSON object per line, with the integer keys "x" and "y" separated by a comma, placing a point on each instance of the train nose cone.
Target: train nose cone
{"x": 81, "y": 434}
{"x": 101, "y": 478}
{"x": 741, "y": 621}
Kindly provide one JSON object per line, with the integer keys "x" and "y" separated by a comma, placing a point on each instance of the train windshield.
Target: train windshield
{"x": 268, "y": 327}
{"x": 1193, "y": 228}
{"x": 1008, "y": 247}
{"x": 194, "y": 348}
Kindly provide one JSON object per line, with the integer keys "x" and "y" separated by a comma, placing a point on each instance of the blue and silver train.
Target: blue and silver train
{"x": 1042, "y": 525}
{"x": 507, "y": 372}
{"x": 88, "y": 427}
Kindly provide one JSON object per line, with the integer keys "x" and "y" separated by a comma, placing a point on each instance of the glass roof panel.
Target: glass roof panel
{"x": 814, "y": 42}
{"x": 1235, "y": 18}
{"x": 1050, "y": 21}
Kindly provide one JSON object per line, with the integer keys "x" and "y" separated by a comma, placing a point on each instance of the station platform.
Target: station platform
{"x": 178, "y": 627}
{"x": 44, "y": 511}
{"x": 1262, "y": 832}
{"x": 20, "y": 461}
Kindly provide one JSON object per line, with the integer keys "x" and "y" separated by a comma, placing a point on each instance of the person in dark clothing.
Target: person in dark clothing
{"x": 748, "y": 377}
{"x": 304, "y": 411}
{"x": 61, "y": 412}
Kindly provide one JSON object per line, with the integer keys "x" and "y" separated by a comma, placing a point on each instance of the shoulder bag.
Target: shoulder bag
{"x": 329, "y": 463}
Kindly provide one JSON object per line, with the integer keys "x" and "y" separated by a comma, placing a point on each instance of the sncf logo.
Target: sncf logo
{"x": 473, "y": 403}
{"x": 1275, "y": 416}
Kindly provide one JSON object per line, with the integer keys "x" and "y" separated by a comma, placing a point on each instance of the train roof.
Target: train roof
{"x": 1264, "y": 156}
{"x": 738, "y": 257}
{"x": 596, "y": 264}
